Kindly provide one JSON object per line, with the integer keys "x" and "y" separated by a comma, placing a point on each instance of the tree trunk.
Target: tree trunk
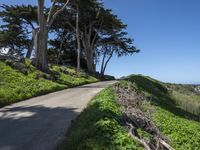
{"x": 59, "y": 53}
{"x": 102, "y": 64}
{"x": 30, "y": 49}
{"x": 78, "y": 40}
{"x": 90, "y": 61}
{"x": 41, "y": 39}
{"x": 41, "y": 35}
{"x": 89, "y": 56}
{"x": 41, "y": 61}
{"x": 106, "y": 63}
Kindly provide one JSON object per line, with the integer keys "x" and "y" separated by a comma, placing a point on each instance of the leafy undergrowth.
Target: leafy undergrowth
{"x": 98, "y": 127}
{"x": 19, "y": 81}
{"x": 179, "y": 125}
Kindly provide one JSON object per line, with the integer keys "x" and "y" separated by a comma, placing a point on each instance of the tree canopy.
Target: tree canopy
{"x": 84, "y": 34}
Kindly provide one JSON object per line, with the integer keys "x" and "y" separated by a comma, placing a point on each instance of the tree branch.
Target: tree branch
{"x": 111, "y": 54}
{"x": 29, "y": 23}
{"x": 131, "y": 133}
{"x": 103, "y": 62}
{"x": 71, "y": 26}
{"x": 50, "y": 11}
{"x": 95, "y": 36}
{"x": 57, "y": 13}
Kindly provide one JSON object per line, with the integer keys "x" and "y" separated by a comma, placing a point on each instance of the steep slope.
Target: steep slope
{"x": 19, "y": 81}
{"x": 169, "y": 112}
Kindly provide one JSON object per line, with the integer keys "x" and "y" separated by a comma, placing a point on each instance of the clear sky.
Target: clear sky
{"x": 166, "y": 31}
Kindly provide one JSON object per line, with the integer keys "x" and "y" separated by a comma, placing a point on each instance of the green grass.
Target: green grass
{"x": 71, "y": 78}
{"x": 26, "y": 81}
{"x": 178, "y": 124}
{"x": 184, "y": 133}
{"x": 186, "y": 97}
{"x": 99, "y": 128}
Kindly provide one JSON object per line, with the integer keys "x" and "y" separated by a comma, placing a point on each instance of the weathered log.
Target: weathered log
{"x": 165, "y": 144}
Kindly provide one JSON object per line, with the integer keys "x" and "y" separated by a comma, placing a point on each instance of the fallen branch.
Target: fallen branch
{"x": 131, "y": 133}
{"x": 166, "y": 145}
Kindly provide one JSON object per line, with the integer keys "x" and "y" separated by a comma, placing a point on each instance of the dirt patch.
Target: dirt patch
{"x": 134, "y": 119}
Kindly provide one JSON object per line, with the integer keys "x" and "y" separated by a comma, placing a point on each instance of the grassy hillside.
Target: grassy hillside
{"x": 19, "y": 81}
{"x": 183, "y": 96}
{"x": 186, "y": 97}
{"x": 101, "y": 126}
{"x": 174, "y": 110}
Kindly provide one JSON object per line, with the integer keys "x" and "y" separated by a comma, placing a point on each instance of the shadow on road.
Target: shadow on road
{"x": 36, "y": 127}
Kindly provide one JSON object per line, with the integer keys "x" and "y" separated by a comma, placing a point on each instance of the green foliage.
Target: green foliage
{"x": 149, "y": 85}
{"x": 184, "y": 133}
{"x": 71, "y": 78}
{"x": 98, "y": 127}
{"x": 16, "y": 86}
{"x": 16, "y": 30}
{"x": 179, "y": 125}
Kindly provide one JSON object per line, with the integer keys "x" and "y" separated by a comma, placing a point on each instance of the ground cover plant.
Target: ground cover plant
{"x": 99, "y": 126}
{"x": 181, "y": 126}
{"x": 19, "y": 81}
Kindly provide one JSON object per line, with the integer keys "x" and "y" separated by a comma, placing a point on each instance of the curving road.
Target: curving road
{"x": 41, "y": 123}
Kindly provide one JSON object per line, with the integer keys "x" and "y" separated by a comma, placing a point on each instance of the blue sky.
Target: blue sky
{"x": 166, "y": 31}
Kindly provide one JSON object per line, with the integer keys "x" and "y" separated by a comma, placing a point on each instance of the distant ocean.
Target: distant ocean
{"x": 191, "y": 83}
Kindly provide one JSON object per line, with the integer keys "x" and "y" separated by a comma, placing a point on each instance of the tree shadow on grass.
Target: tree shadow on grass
{"x": 96, "y": 128}
{"x": 36, "y": 127}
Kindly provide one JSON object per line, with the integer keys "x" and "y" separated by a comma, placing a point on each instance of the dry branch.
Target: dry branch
{"x": 130, "y": 100}
{"x": 131, "y": 133}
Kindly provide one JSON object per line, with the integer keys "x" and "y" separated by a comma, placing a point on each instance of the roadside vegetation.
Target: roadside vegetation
{"x": 99, "y": 126}
{"x": 168, "y": 110}
{"x": 19, "y": 81}
{"x": 150, "y": 106}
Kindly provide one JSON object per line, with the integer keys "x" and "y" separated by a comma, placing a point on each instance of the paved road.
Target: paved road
{"x": 40, "y": 123}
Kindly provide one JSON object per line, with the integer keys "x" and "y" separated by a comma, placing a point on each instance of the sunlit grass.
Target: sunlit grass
{"x": 27, "y": 82}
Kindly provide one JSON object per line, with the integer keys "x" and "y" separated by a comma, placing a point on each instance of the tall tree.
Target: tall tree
{"x": 64, "y": 48}
{"x": 41, "y": 33}
{"x": 84, "y": 24}
{"x": 116, "y": 44}
{"x": 73, "y": 21}
{"x": 66, "y": 37}
{"x": 78, "y": 38}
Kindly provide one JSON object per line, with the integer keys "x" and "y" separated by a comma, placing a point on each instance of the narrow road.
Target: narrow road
{"x": 40, "y": 123}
